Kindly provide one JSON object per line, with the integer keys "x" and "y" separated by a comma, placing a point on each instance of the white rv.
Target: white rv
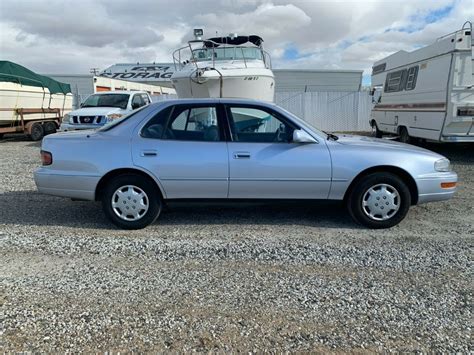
{"x": 427, "y": 93}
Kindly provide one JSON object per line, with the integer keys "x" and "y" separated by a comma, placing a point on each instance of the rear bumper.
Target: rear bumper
{"x": 73, "y": 127}
{"x": 60, "y": 184}
{"x": 430, "y": 190}
{"x": 458, "y": 139}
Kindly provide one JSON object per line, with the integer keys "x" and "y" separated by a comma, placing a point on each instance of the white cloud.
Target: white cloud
{"x": 71, "y": 37}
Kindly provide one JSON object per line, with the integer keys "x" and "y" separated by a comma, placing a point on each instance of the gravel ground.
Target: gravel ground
{"x": 253, "y": 278}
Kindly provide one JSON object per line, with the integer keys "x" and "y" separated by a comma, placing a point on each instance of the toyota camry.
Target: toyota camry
{"x": 230, "y": 149}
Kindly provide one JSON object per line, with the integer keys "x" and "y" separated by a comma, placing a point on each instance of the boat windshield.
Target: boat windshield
{"x": 228, "y": 53}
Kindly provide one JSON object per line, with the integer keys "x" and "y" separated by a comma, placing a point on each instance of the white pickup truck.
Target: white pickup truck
{"x": 103, "y": 107}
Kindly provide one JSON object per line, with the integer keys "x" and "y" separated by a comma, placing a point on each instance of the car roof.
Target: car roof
{"x": 216, "y": 101}
{"x": 117, "y": 92}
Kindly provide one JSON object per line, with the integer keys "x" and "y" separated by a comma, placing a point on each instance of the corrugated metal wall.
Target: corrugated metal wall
{"x": 305, "y": 80}
{"x": 329, "y": 111}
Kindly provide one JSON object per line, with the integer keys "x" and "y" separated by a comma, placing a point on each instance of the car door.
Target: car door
{"x": 185, "y": 147}
{"x": 265, "y": 163}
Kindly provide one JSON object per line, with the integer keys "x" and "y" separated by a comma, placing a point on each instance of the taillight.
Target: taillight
{"x": 46, "y": 158}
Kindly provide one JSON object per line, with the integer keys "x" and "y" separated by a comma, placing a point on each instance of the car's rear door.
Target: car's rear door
{"x": 265, "y": 163}
{"x": 185, "y": 147}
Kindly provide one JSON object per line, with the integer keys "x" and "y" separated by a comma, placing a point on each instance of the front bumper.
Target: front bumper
{"x": 430, "y": 190}
{"x": 60, "y": 184}
{"x": 73, "y": 127}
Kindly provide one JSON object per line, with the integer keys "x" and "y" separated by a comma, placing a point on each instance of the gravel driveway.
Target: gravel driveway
{"x": 216, "y": 278}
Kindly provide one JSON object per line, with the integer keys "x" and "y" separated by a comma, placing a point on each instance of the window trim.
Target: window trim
{"x": 415, "y": 77}
{"x": 222, "y": 134}
{"x": 276, "y": 114}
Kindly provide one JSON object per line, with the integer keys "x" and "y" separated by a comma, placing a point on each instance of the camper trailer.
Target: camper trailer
{"x": 427, "y": 93}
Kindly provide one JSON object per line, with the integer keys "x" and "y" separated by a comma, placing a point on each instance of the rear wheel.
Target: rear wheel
{"x": 404, "y": 136}
{"x": 375, "y": 130}
{"x": 36, "y": 132}
{"x": 131, "y": 201}
{"x": 49, "y": 127}
{"x": 379, "y": 200}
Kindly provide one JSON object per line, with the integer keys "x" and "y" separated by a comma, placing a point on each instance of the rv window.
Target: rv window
{"x": 395, "y": 81}
{"x": 411, "y": 78}
{"x": 379, "y": 68}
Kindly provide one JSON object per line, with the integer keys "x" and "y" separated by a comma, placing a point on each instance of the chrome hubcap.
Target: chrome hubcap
{"x": 130, "y": 203}
{"x": 381, "y": 202}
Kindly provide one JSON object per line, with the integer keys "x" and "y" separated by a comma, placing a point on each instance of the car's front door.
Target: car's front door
{"x": 265, "y": 163}
{"x": 184, "y": 146}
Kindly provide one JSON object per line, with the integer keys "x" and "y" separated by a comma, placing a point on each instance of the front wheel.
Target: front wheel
{"x": 131, "y": 201}
{"x": 36, "y": 132}
{"x": 375, "y": 130}
{"x": 379, "y": 200}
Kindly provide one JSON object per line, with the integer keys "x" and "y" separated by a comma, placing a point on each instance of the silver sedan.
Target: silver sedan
{"x": 225, "y": 149}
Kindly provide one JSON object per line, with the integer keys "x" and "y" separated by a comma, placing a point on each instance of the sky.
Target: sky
{"x": 71, "y": 37}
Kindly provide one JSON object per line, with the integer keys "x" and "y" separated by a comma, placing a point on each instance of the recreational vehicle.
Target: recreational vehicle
{"x": 427, "y": 93}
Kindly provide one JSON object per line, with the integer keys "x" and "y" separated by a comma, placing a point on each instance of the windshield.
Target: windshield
{"x": 299, "y": 120}
{"x": 107, "y": 100}
{"x": 228, "y": 53}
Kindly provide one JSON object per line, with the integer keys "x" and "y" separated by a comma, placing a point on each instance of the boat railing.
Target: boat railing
{"x": 180, "y": 62}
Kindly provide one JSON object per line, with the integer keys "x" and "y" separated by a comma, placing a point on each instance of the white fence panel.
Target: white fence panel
{"x": 329, "y": 111}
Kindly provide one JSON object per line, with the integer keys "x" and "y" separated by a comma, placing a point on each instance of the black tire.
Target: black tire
{"x": 49, "y": 127}
{"x": 1, "y": 135}
{"x": 36, "y": 132}
{"x": 404, "y": 136}
{"x": 378, "y": 180}
{"x": 375, "y": 130}
{"x": 153, "y": 199}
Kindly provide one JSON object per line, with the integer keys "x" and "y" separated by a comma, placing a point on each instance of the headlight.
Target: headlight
{"x": 66, "y": 118}
{"x": 442, "y": 165}
{"x": 113, "y": 116}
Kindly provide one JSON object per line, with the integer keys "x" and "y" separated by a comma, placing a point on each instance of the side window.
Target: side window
{"x": 193, "y": 124}
{"x": 146, "y": 99}
{"x": 411, "y": 78}
{"x": 155, "y": 127}
{"x": 395, "y": 81}
{"x": 137, "y": 101}
{"x": 258, "y": 126}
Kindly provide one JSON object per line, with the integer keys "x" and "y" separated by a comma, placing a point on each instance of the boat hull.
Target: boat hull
{"x": 14, "y": 96}
{"x": 210, "y": 84}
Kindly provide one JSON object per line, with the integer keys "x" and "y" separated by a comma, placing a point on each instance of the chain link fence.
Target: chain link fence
{"x": 329, "y": 111}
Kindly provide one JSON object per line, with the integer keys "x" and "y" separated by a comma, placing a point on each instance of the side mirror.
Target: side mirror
{"x": 135, "y": 105}
{"x": 300, "y": 136}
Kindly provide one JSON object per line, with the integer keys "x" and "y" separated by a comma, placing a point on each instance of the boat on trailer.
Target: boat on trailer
{"x": 31, "y": 103}
{"x": 232, "y": 67}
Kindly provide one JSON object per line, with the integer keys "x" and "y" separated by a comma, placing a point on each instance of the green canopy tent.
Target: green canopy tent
{"x": 15, "y": 73}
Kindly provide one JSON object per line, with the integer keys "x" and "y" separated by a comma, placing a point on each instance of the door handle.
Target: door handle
{"x": 149, "y": 153}
{"x": 241, "y": 155}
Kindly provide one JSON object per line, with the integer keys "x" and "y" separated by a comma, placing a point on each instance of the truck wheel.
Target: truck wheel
{"x": 375, "y": 130}
{"x": 131, "y": 201}
{"x": 36, "y": 131}
{"x": 379, "y": 200}
{"x": 49, "y": 127}
{"x": 404, "y": 136}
